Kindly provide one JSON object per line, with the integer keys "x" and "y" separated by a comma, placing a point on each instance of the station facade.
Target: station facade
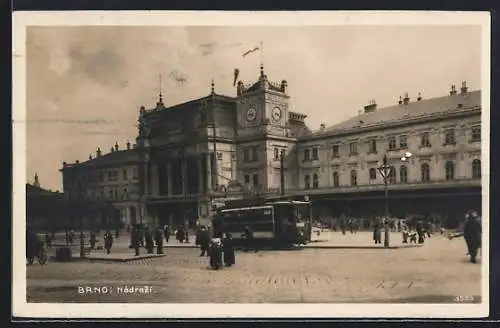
{"x": 191, "y": 156}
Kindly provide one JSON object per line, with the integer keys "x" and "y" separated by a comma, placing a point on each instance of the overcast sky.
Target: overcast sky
{"x": 85, "y": 84}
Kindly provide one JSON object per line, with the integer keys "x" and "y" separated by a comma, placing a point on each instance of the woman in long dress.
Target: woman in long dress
{"x": 227, "y": 244}
{"x": 216, "y": 253}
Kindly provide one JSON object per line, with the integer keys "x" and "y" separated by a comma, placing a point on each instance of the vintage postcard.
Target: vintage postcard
{"x": 251, "y": 164}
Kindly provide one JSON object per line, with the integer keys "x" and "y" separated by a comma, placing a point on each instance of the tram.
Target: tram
{"x": 275, "y": 223}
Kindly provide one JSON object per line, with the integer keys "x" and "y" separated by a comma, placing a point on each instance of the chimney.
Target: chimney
{"x": 90, "y": 157}
{"x": 116, "y": 146}
{"x": 284, "y": 86}
{"x": 98, "y": 152}
{"x": 112, "y": 149}
{"x": 371, "y": 107}
{"x": 400, "y": 100}
{"x": 128, "y": 145}
{"x": 406, "y": 99}
{"x": 77, "y": 162}
{"x": 64, "y": 164}
{"x": 453, "y": 90}
{"x": 419, "y": 97}
{"x": 322, "y": 127}
{"x": 463, "y": 89}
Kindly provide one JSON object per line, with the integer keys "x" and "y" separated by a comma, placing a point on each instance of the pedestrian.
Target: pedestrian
{"x": 186, "y": 236}
{"x": 48, "y": 240}
{"x": 377, "y": 231}
{"x": 117, "y": 233}
{"x": 159, "y": 241}
{"x": 149, "y": 241}
{"x": 472, "y": 236}
{"x": 108, "y": 241}
{"x": 92, "y": 240}
{"x": 420, "y": 232}
{"x": 71, "y": 236}
{"x": 136, "y": 240}
{"x": 249, "y": 239}
{"x": 180, "y": 235}
{"x": 216, "y": 253}
{"x": 166, "y": 233}
{"x": 228, "y": 249}
{"x": 203, "y": 240}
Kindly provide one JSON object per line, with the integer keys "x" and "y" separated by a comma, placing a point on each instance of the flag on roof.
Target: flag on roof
{"x": 248, "y": 52}
{"x": 236, "y": 74}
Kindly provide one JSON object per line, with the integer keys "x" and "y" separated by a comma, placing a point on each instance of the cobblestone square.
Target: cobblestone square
{"x": 438, "y": 272}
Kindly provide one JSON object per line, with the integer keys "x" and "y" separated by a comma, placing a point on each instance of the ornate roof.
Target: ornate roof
{"x": 411, "y": 111}
{"x": 117, "y": 157}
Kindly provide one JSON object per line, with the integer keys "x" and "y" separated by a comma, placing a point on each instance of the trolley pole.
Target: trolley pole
{"x": 282, "y": 173}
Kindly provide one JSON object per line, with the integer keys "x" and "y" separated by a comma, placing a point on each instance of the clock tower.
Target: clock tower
{"x": 263, "y": 107}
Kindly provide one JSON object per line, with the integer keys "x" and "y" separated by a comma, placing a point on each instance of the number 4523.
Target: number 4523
{"x": 463, "y": 299}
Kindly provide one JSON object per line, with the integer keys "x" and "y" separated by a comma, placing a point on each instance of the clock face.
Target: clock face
{"x": 276, "y": 114}
{"x": 251, "y": 113}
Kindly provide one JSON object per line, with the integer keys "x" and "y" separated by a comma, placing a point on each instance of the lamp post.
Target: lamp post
{"x": 385, "y": 171}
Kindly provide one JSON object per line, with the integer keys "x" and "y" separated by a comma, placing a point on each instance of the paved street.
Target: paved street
{"x": 437, "y": 272}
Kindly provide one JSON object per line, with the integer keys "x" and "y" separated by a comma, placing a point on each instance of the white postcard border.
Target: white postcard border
{"x": 161, "y": 18}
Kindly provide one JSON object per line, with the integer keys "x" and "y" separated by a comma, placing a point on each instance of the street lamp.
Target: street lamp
{"x": 385, "y": 171}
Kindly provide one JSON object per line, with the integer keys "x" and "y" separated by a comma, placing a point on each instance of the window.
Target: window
{"x": 476, "y": 133}
{"x": 392, "y": 175}
{"x": 116, "y": 193}
{"x": 372, "y": 146}
{"x": 125, "y": 193}
{"x": 307, "y": 182}
{"x": 450, "y": 170}
{"x": 247, "y": 179}
{"x": 392, "y": 143}
{"x": 353, "y": 148}
{"x": 425, "y": 140}
{"x": 335, "y": 151}
{"x": 134, "y": 174}
{"x": 449, "y": 137}
{"x": 246, "y": 155}
{"x": 315, "y": 181}
{"x": 111, "y": 194}
{"x": 101, "y": 176}
{"x": 110, "y": 175}
{"x": 306, "y": 155}
{"x": 373, "y": 174}
{"x": 315, "y": 154}
{"x": 425, "y": 172}
{"x": 354, "y": 178}
{"x": 255, "y": 154}
{"x": 476, "y": 169}
{"x": 255, "y": 180}
{"x": 276, "y": 153}
{"x": 403, "y": 142}
{"x": 403, "y": 174}
{"x": 336, "y": 179}
{"x": 125, "y": 174}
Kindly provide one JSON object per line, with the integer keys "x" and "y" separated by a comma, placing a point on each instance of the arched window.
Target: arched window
{"x": 403, "y": 174}
{"x": 476, "y": 169}
{"x": 354, "y": 178}
{"x": 392, "y": 175}
{"x": 450, "y": 170}
{"x": 336, "y": 180}
{"x": 307, "y": 182}
{"x": 373, "y": 174}
{"x": 315, "y": 181}
{"x": 425, "y": 172}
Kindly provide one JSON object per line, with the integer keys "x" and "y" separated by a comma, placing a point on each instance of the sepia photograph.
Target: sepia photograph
{"x": 251, "y": 164}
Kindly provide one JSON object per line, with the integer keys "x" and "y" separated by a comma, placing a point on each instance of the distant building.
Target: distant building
{"x": 193, "y": 155}
{"x": 104, "y": 190}
{"x": 45, "y": 209}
